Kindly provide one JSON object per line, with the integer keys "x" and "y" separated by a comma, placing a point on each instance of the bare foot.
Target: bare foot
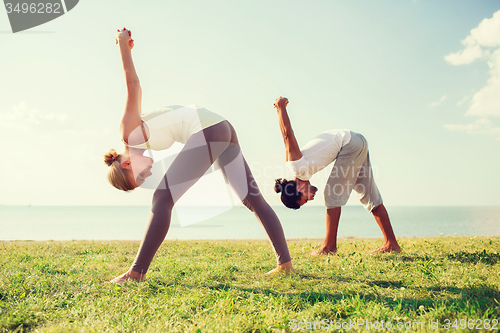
{"x": 286, "y": 268}
{"x": 389, "y": 247}
{"x": 323, "y": 250}
{"x": 129, "y": 276}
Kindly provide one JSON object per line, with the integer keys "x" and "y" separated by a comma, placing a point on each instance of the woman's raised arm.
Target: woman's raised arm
{"x": 293, "y": 152}
{"x": 132, "y": 116}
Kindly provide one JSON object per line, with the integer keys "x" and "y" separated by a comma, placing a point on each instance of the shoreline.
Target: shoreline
{"x": 232, "y": 240}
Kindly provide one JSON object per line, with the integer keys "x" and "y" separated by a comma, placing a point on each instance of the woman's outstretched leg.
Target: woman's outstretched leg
{"x": 156, "y": 231}
{"x": 271, "y": 223}
{"x": 240, "y": 178}
{"x": 267, "y": 217}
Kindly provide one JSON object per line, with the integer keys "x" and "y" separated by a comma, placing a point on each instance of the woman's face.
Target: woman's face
{"x": 140, "y": 169}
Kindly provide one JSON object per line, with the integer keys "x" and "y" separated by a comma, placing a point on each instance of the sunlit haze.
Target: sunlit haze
{"x": 419, "y": 79}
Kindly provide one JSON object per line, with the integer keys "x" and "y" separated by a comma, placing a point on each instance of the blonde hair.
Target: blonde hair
{"x": 117, "y": 176}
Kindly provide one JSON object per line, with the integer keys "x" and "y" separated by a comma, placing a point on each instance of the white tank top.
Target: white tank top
{"x": 175, "y": 123}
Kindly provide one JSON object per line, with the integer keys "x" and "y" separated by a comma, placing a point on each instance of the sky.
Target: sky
{"x": 419, "y": 79}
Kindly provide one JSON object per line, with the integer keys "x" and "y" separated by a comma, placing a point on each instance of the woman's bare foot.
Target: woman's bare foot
{"x": 324, "y": 250}
{"x": 129, "y": 276}
{"x": 388, "y": 247}
{"x": 286, "y": 268}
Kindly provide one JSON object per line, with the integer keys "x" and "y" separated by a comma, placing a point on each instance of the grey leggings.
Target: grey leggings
{"x": 219, "y": 144}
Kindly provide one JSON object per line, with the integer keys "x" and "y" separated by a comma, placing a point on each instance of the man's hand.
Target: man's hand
{"x": 280, "y": 102}
{"x": 125, "y": 36}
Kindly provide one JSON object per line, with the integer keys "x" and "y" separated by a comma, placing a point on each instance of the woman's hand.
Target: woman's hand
{"x": 125, "y": 36}
{"x": 280, "y": 102}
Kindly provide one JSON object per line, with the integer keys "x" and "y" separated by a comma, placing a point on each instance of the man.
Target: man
{"x": 351, "y": 171}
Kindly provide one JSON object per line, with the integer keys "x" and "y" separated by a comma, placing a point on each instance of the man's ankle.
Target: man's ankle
{"x": 136, "y": 275}
{"x": 329, "y": 246}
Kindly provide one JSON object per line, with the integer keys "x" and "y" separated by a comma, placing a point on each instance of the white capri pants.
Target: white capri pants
{"x": 352, "y": 171}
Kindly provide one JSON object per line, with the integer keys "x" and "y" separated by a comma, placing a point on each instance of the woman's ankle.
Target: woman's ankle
{"x": 287, "y": 267}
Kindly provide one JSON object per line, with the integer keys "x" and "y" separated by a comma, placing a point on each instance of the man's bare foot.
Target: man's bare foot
{"x": 129, "y": 276}
{"x": 286, "y": 268}
{"x": 324, "y": 250}
{"x": 389, "y": 247}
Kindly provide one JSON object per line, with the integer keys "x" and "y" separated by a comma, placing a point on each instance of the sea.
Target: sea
{"x": 214, "y": 222}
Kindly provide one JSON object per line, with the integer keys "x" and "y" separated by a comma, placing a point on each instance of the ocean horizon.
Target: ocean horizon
{"x": 219, "y": 222}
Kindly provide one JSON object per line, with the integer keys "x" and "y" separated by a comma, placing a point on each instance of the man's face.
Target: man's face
{"x": 308, "y": 191}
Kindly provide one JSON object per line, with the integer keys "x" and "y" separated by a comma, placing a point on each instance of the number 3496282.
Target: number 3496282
{"x": 477, "y": 324}
{"x": 34, "y": 8}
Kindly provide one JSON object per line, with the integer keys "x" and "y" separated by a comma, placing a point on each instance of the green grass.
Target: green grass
{"x": 219, "y": 286}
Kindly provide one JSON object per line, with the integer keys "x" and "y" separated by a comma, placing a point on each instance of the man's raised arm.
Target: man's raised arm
{"x": 293, "y": 152}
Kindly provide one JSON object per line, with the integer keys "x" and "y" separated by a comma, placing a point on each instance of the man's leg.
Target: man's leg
{"x": 370, "y": 197}
{"x": 382, "y": 218}
{"x": 339, "y": 186}
{"x": 332, "y": 225}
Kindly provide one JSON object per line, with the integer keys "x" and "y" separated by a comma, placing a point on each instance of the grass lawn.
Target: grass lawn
{"x": 219, "y": 286}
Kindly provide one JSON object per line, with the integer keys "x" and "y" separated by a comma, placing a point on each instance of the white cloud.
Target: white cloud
{"x": 463, "y": 100}
{"x": 477, "y": 126}
{"x": 466, "y": 56}
{"x": 441, "y": 100}
{"x": 485, "y": 35}
{"x": 483, "y": 42}
{"x": 487, "y": 32}
{"x": 24, "y": 118}
{"x": 486, "y": 102}
{"x": 53, "y": 155}
{"x": 480, "y": 126}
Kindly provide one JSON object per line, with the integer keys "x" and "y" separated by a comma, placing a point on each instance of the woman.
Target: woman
{"x": 208, "y": 139}
{"x": 351, "y": 171}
